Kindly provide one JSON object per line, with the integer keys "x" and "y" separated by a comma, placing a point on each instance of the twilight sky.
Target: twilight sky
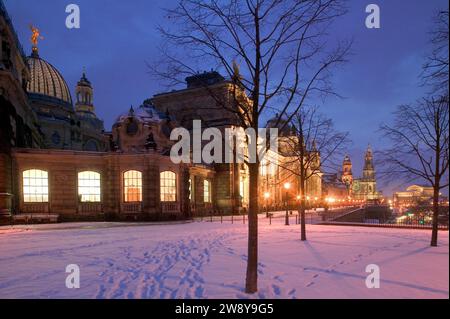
{"x": 117, "y": 38}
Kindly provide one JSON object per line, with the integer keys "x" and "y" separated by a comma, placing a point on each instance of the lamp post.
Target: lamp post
{"x": 266, "y": 197}
{"x": 287, "y": 186}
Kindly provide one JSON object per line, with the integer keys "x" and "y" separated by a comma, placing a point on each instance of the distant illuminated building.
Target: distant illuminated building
{"x": 365, "y": 188}
{"x": 415, "y": 195}
{"x": 347, "y": 175}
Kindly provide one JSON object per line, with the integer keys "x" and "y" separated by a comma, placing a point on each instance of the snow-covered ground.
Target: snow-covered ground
{"x": 208, "y": 260}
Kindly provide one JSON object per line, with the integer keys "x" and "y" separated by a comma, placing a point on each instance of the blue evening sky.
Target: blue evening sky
{"x": 117, "y": 38}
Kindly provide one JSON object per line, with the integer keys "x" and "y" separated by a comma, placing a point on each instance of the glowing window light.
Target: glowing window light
{"x": 35, "y": 186}
{"x": 190, "y": 189}
{"x": 132, "y": 186}
{"x": 89, "y": 189}
{"x": 207, "y": 191}
{"x": 168, "y": 187}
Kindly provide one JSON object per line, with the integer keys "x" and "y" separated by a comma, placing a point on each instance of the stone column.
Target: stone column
{"x": 5, "y": 184}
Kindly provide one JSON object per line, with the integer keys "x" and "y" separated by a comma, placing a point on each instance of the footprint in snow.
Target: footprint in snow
{"x": 278, "y": 278}
{"x": 276, "y": 290}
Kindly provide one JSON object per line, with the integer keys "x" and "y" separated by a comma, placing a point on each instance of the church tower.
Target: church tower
{"x": 85, "y": 96}
{"x": 347, "y": 175}
{"x": 369, "y": 170}
{"x": 91, "y": 127}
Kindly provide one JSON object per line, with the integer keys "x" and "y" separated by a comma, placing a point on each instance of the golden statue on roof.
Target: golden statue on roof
{"x": 35, "y": 35}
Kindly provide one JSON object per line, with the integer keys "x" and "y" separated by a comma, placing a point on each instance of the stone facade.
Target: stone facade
{"x": 199, "y": 102}
{"x": 18, "y": 124}
{"x": 63, "y": 168}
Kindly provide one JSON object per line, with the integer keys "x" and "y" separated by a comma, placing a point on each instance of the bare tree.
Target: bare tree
{"x": 420, "y": 132}
{"x": 435, "y": 69}
{"x": 284, "y": 57}
{"x": 420, "y": 147}
{"x": 314, "y": 147}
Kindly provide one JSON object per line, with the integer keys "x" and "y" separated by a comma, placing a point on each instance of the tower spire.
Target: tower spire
{"x": 369, "y": 170}
{"x": 84, "y": 95}
{"x": 347, "y": 174}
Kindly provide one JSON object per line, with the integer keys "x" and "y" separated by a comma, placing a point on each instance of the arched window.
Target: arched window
{"x": 35, "y": 186}
{"x": 168, "y": 181}
{"x": 207, "y": 191}
{"x": 132, "y": 186}
{"x": 89, "y": 189}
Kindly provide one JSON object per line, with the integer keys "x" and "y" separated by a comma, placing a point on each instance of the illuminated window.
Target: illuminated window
{"x": 132, "y": 182}
{"x": 168, "y": 186}
{"x": 89, "y": 186}
{"x": 35, "y": 186}
{"x": 190, "y": 189}
{"x": 207, "y": 191}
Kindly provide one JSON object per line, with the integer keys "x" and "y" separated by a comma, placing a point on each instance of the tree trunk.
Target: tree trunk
{"x": 251, "y": 283}
{"x": 434, "y": 232}
{"x": 302, "y": 211}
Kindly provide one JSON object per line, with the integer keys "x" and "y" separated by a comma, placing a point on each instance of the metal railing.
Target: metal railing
{"x": 375, "y": 223}
{"x": 293, "y": 217}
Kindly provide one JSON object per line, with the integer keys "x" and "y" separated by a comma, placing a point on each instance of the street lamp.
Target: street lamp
{"x": 287, "y": 186}
{"x": 266, "y": 197}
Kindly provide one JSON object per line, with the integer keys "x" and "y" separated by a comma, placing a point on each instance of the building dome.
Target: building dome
{"x": 46, "y": 81}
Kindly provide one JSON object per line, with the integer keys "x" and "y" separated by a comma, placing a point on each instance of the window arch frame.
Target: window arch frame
{"x": 45, "y": 189}
{"x": 164, "y": 186}
{"x": 140, "y": 185}
{"x": 99, "y": 187}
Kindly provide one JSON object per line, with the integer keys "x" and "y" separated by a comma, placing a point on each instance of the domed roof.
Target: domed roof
{"x": 145, "y": 113}
{"x": 46, "y": 80}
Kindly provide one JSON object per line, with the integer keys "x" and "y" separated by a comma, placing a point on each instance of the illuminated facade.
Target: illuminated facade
{"x": 198, "y": 102}
{"x": 416, "y": 195}
{"x": 56, "y": 158}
